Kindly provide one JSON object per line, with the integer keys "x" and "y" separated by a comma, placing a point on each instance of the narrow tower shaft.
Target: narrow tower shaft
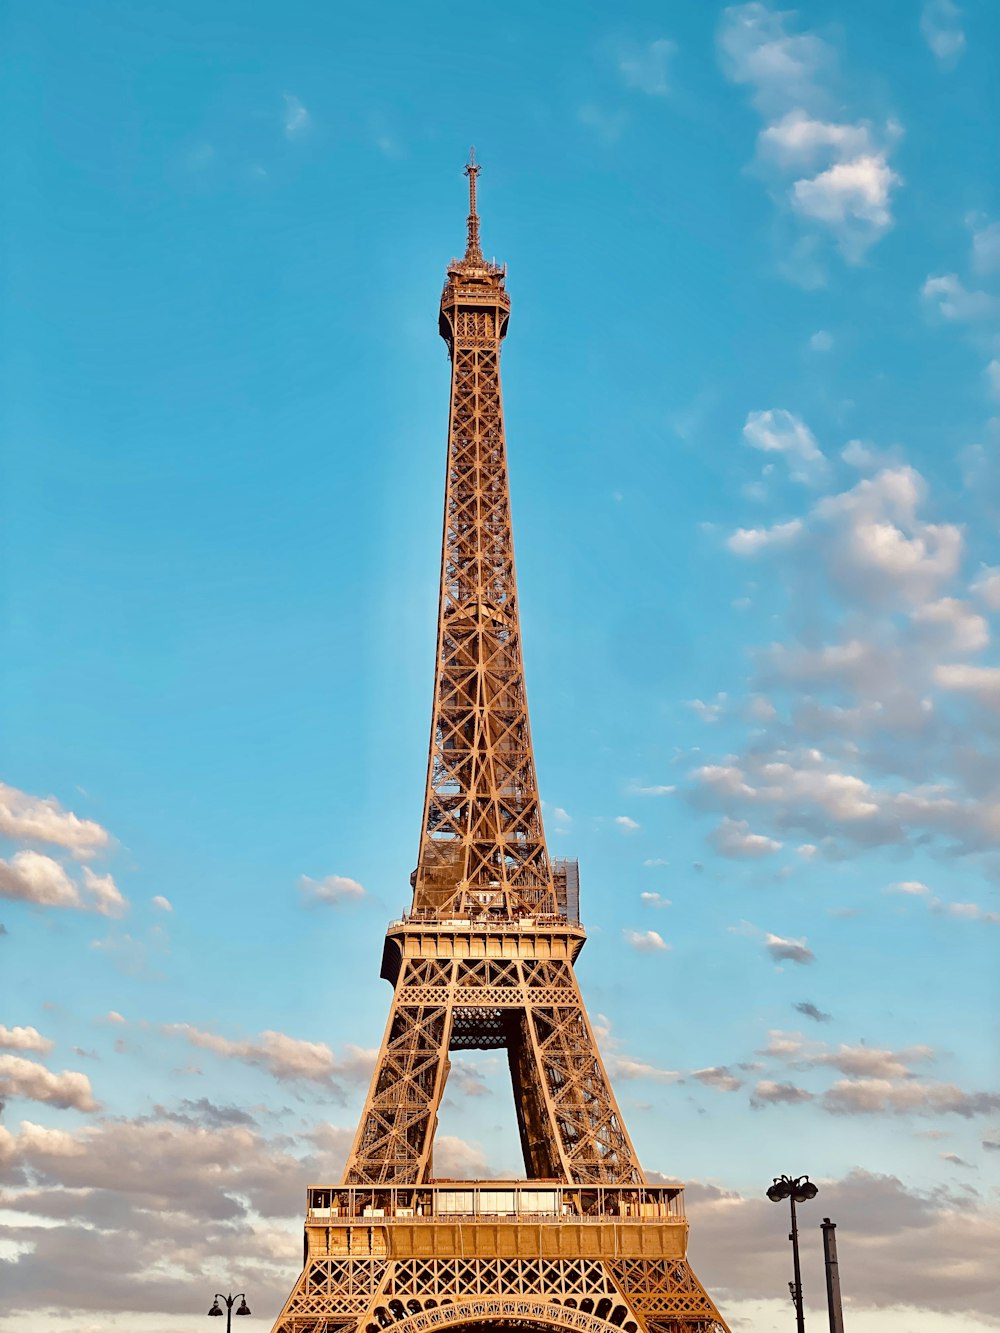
{"x": 482, "y": 846}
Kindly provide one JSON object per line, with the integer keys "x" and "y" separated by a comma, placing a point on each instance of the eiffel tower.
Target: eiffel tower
{"x": 484, "y": 960}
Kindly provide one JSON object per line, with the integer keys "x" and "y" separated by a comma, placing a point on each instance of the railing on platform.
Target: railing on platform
{"x": 534, "y": 1201}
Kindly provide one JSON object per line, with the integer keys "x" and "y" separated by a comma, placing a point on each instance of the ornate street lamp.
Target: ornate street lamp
{"x": 797, "y": 1189}
{"x": 216, "y": 1310}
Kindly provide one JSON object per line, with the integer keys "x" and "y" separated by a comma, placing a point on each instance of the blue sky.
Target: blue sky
{"x": 752, "y": 392}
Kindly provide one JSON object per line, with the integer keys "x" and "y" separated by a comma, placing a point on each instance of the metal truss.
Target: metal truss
{"x": 485, "y": 960}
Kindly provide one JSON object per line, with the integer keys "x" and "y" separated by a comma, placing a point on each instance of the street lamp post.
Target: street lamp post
{"x": 216, "y": 1310}
{"x": 796, "y": 1189}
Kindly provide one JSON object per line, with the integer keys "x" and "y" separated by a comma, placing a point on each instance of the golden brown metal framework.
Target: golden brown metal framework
{"x": 485, "y": 960}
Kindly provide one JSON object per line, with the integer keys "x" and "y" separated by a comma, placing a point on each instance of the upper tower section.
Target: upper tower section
{"x": 482, "y": 846}
{"x": 474, "y": 305}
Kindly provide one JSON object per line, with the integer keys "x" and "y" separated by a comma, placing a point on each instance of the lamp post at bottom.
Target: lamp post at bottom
{"x": 796, "y": 1189}
{"x": 216, "y": 1310}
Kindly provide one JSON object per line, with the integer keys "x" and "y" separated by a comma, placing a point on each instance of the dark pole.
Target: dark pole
{"x": 793, "y": 1236}
{"x": 229, "y": 1312}
{"x": 797, "y": 1189}
{"x": 829, "y": 1230}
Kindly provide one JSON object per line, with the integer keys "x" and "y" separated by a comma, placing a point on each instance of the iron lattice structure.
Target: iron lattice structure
{"x": 485, "y": 959}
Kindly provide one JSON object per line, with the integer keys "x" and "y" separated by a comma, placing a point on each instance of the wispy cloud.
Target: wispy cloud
{"x": 295, "y": 118}
{"x": 647, "y": 68}
{"x": 842, "y": 183}
{"x": 285, "y": 1058}
{"x": 941, "y": 28}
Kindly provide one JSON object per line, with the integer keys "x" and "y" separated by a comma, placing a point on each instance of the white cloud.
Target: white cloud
{"x": 654, "y": 900}
{"x": 799, "y": 140}
{"x": 941, "y": 28}
{"x": 561, "y": 820}
{"x": 965, "y": 911}
{"x": 296, "y": 118}
{"x": 913, "y": 887}
{"x": 25, "y": 1078}
{"x": 780, "y": 67}
{"x": 954, "y": 301}
{"x": 986, "y": 247}
{"x": 848, "y": 196}
{"x": 113, "y": 1016}
{"x": 982, "y": 683}
{"x": 852, "y": 198}
{"x": 335, "y": 890}
{"x": 42, "y": 819}
{"x": 627, "y": 824}
{"x": 779, "y": 431}
{"x": 987, "y": 588}
{"x": 38, "y": 879}
{"x": 951, "y": 627}
{"x": 645, "y": 941}
{"x": 24, "y": 1039}
{"x": 284, "y": 1057}
{"x": 634, "y": 789}
{"x": 992, "y": 373}
{"x": 883, "y": 1096}
{"x": 751, "y": 541}
{"x": 104, "y": 894}
{"x": 708, "y": 712}
{"x": 648, "y": 68}
{"x": 733, "y": 838}
{"x": 792, "y": 951}
{"x": 821, "y": 341}
{"x": 164, "y": 904}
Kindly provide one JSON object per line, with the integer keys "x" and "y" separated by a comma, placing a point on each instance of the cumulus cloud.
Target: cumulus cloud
{"x": 163, "y": 904}
{"x": 647, "y": 68}
{"x": 24, "y": 1039}
{"x": 846, "y": 183}
{"x": 792, "y": 951}
{"x": 953, "y": 301}
{"x": 27, "y": 818}
{"x": 733, "y": 838}
{"x": 36, "y": 878}
{"x": 25, "y": 1078}
{"x": 852, "y": 198}
{"x": 913, "y": 1251}
{"x": 334, "y": 891}
{"x": 285, "y": 1058}
{"x": 941, "y": 28}
{"x": 645, "y": 941}
{"x": 121, "y": 1216}
{"x": 626, "y": 824}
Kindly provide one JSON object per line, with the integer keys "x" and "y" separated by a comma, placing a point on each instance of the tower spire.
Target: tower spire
{"x": 473, "y": 252}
